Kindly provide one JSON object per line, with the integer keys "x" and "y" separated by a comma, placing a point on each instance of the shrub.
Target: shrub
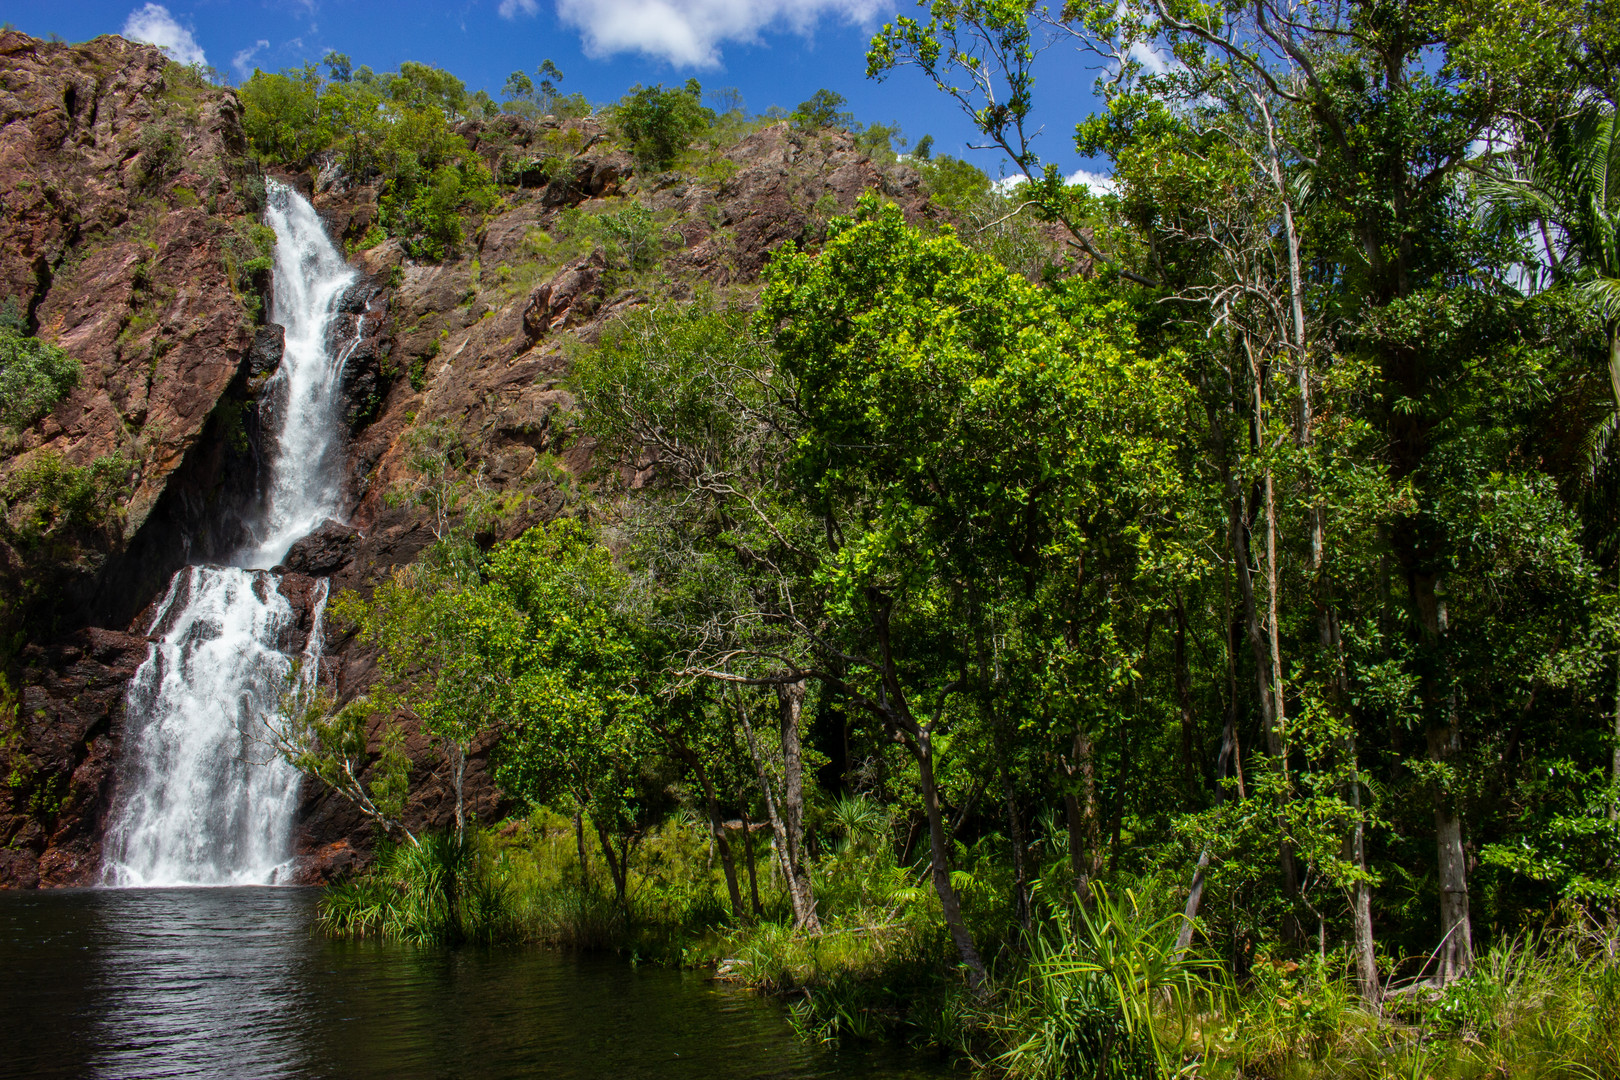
{"x": 877, "y": 141}
{"x": 160, "y": 157}
{"x": 34, "y": 376}
{"x": 632, "y": 238}
{"x": 50, "y": 497}
{"x": 661, "y": 124}
{"x": 440, "y": 891}
{"x": 955, "y": 184}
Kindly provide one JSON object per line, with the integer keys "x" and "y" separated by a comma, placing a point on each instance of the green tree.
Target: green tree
{"x": 279, "y": 114}
{"x": 696, "y": 391}
{"x": 907, "y": 354}
{"x": 825, "y": 109}
{"x": 661, "y": 124}
{"x": 583, "y": 684}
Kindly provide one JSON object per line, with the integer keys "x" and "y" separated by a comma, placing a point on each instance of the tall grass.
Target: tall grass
{"x": 524, "y": 884}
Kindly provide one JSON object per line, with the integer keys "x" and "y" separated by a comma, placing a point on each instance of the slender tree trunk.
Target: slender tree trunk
{"x": 1267, "y": 648}
{"x": 1457, "y": 945}
{"x": 790, "y": 699}
{"x": 1456, "y": 953}
{"x": 1263, "y": 668}
{"x": 616, "y": 868}
{"x": 1361, "y": 895}
{"x": 1366, "y": 958}
{"x": 1015, "y": 834}
{"x": 458, "y": 773}
{"x": 922, "y": 750}
{"x": 1184, "y": 698}
{"x": 579, "y": 843}
{"x": 779, "y": 843}
{"x": 1195, "y": 894}
{"x": 1081, "y": 812}
{"x": 918, "y": 739}
{"x": 717, "y": 833}
{"x": 1279, "y": 712}
{"x": 1238, "y": 514}
{"x": 753, "y": 874}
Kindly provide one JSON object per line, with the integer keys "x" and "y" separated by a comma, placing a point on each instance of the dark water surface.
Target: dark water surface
{"x": 233, "y": 983}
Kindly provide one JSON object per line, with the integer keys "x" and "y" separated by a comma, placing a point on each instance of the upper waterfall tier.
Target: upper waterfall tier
{"x": 302, "y": 400}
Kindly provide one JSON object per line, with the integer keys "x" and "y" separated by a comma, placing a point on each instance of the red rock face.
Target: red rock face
{"x": 118, "y": 250}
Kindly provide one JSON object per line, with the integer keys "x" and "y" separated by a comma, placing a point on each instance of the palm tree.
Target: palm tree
{"x": 1567, "y": 190}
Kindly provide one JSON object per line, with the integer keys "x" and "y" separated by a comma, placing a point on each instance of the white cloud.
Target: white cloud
{"x": 155, "y": 26}
{"x": 689, "y": 33}
{"x": 511, "y": 9}
{"x": 1153, "y": 60}
{"x": 243, "y": 61}
{"x": 1099, "y": 183}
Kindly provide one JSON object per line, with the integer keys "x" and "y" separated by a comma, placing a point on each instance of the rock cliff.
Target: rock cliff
{"x": 128, "y": 236}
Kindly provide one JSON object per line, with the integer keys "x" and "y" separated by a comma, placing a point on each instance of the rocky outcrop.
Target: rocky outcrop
{"x": 60, "y": 767}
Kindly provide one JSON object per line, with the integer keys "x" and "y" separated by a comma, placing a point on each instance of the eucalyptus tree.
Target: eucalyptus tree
{"x": 444, "y": 649}
{"x": 580, "y": 702}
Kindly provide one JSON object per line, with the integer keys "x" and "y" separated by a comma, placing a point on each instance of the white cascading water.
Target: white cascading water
{"x": 201, "y": 799}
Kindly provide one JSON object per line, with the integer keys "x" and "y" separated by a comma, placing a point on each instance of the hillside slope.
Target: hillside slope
{"x": 130, "y": 240}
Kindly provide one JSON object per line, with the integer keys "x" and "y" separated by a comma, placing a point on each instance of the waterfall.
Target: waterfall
{"x": 201, "y": 799}
{"x": 310, "y": 280}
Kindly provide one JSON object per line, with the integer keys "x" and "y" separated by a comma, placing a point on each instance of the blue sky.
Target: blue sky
{"x": 776, "y": 52}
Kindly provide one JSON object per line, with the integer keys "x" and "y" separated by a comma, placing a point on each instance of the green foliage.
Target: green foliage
{"x": 161, "y": 154}
{"x": 526, "y": 97}
{"x": 280, "y": 114}
{"x": 48, "y": 500}
{"x": 632, "y": 237}
{"x": 395, "y": 125}
{"x": 34, "y": 374}
{"x": 426, "y": 211}
{"x": 955, "y": 184}
{"x": 1245, "y": 528}
{"x": 823, "y": 110}
{"x": 877, "y": 141}
{"x": 329, "y": 743}
{"x": 661, "y": 124}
